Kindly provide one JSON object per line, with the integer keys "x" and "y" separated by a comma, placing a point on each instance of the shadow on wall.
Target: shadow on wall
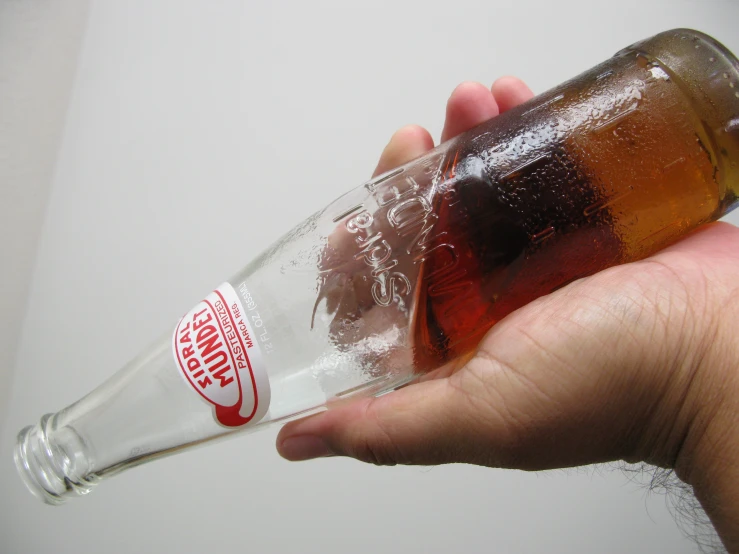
{"x": 39, "y": 48}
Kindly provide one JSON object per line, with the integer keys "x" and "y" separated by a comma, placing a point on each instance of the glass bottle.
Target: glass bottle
{"x": 406, "y": 273}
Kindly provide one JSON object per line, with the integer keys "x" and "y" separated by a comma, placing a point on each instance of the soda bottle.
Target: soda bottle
{"x": 405, "y": 273}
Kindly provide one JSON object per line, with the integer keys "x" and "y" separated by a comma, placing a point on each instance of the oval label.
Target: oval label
{"x": 218, "y": 355}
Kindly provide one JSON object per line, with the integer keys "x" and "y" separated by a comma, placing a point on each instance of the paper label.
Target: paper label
{"x": 218, "y": 356}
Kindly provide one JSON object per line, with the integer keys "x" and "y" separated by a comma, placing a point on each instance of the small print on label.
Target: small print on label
{"x": 218, "y": 355}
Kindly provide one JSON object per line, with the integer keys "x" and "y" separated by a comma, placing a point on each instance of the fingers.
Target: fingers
{"x": 421, "y": 424}
{"x": 405, "y": 145}
{"x": 469, "y": 105}
{"x": 509, "y": 92}
{"x": 429, "y": 422}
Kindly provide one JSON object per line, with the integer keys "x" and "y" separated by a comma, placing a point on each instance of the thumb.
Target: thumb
{"x": 424, "y": 423}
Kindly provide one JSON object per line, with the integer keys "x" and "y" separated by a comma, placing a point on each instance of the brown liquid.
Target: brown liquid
{"x": 614, "y": 166}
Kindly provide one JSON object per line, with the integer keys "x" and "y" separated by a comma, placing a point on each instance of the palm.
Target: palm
{"x": 595, "y": 339}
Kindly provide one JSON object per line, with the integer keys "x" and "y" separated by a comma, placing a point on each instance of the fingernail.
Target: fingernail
{"x": 304, "y": 447}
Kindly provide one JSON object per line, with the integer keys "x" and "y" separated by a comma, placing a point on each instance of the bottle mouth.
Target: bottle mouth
{"x": 36, "y": 467}
{"x": 45, "y": 469}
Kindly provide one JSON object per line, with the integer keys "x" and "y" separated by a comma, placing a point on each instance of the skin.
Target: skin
{"x": 638, "y": 363}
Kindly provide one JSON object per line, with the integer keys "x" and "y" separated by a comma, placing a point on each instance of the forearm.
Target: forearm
{"x": 715, "y": 482}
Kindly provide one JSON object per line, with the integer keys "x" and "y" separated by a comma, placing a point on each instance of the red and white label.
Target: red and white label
{"x": 218, "y": 356}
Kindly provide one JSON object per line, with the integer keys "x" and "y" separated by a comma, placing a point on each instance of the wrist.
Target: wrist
{"x": 708, "y": 459}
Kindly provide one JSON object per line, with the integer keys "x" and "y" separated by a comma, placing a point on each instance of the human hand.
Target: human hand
{"x": 638, "y": 362}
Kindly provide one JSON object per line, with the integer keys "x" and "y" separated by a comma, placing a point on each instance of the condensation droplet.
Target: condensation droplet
{"x": 543, "y": 235}
{"x": 711, "y": 59}
{"x": 659, "y": 73}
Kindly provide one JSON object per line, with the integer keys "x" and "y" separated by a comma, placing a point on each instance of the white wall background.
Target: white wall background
{"x": 280, "y": 106}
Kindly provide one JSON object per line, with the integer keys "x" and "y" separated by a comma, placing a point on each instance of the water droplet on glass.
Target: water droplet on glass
{"x": 659, "y": 73}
